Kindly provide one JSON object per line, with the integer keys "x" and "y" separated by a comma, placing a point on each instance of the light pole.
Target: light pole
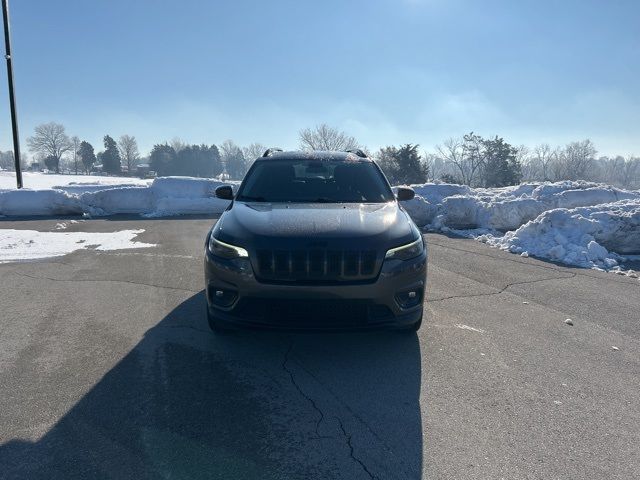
{"x": 12, "y": 97}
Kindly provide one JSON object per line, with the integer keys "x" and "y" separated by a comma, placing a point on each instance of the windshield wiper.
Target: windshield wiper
{"x": 323, "y": 200}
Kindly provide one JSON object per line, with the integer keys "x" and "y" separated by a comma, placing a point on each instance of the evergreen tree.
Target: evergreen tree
{"x": 185, "y": 160}
{"x": 200, "y": 161}
{"x": 403, "y": 165}
{"x": 211, "y": 162}
{"x": 163, "y": 159}
{"x": 501, "y": 165}
{"x": 86, "y": 154}
{"x": 52, "y": 162}
{"x": 110, "y": 156}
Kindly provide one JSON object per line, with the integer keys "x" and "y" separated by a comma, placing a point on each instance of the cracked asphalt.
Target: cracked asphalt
{"x": 108, "y": 371}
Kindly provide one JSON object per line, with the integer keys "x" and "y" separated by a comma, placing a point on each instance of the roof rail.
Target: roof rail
{"x": 270, "y": 151}
{"x": 358, "y": 152}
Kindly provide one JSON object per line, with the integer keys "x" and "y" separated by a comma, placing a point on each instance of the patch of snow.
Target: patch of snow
{"x": 20, "y": 245}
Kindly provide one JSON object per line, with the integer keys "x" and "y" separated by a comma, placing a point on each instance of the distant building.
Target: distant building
{"x": 142, "y": 170}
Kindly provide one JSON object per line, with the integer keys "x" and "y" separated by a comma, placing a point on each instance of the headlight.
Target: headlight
{"x": 224, "y": 250}
{"x": 405, "y": 252}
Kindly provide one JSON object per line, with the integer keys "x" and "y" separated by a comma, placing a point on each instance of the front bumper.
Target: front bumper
{"x": 245, "y": 301}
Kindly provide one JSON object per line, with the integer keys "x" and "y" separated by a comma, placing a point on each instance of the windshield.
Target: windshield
{"x": 314, "y": 181}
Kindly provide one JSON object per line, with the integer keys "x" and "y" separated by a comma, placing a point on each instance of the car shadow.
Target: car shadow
{"x": 185, "y": 403}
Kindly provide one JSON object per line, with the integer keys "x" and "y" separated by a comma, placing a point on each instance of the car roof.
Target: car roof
{"x": 319, "y": 155}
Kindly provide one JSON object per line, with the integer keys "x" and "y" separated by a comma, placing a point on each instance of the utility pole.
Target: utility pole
{"x": 12, "y": 96}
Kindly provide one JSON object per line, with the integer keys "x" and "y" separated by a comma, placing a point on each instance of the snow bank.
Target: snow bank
{"x": 92, "y": 187}
{"x": 38, "y": 202}
{"x": 505, "y": 208}
{"x": 586, "y": 236}
{"x": 164, "y": 196}
{"x": 118, "y": 200}
{"x": 577, "y": 223}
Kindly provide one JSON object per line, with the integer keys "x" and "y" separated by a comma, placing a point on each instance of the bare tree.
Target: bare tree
{"x": 6, "y": 161}
{"x": 466, "y": 155}
{"x": 50, "y": 140}
{"x": 431, "y": 161}
{"x": 129, "y": 154}
{"x": 253, "y": 151}
{"x": 542, "y": 159}
{"x": 324, "y": 137}
{"x": 610, "y": 169}
{"x": 630, "y": 172}
{"x": 577, "y": 161}
{"x": 178, "y": 144}
{"x": 452, "y": 152}
{"x": 523, "y": 154}
{"x": 233, "y": 159}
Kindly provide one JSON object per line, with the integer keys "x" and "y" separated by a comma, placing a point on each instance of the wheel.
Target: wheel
{"x": 215, "y": 325}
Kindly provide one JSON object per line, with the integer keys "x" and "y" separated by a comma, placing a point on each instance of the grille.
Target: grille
{"x": 316, "y": 266}
{"x": 312, "y": 313}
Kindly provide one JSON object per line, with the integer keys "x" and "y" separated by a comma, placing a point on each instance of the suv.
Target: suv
{"x": 315, "y": 240}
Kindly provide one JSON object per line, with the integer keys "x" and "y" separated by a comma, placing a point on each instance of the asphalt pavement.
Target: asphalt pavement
{"x": 108, "y": 370}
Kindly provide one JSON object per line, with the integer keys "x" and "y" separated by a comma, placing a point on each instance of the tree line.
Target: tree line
{"x": 51, "y": 146}
{"x": 470, "y": 160}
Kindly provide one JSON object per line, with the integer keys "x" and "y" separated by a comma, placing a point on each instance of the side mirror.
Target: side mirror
{"x": 224, "y": 192}
{"x": 405, "y": 193}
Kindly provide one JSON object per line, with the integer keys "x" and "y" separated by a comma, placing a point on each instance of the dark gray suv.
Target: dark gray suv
{"x": 315, "y": 240}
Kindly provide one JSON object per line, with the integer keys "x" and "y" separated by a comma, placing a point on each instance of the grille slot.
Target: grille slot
{"x": 309, "y": 313}
{"x": 316, "y": 265}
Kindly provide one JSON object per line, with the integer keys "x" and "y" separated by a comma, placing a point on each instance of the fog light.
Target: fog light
{"x": 221, "y": 297}
{"x": 409, "y": 298}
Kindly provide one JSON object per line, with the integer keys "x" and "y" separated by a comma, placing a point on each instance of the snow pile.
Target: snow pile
{"x": 79, "y": 188}
{"x": 38, "y": 202}
{"x": 163, "y": 197}
{"x": 578, "y": 223}
{"x": 462, "y": 207}
{"x": 184, "y": 195}
{"x": 590, "y": 237}
{"x": 18, "y": 245}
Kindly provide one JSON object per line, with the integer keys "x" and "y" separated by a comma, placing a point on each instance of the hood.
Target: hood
{"x": 278, "y": 225}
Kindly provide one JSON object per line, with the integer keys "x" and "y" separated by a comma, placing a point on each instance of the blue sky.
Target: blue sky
{"x": 385, "y": 71}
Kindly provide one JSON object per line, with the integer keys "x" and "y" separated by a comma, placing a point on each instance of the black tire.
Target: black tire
{"x": 215, "y": 325}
